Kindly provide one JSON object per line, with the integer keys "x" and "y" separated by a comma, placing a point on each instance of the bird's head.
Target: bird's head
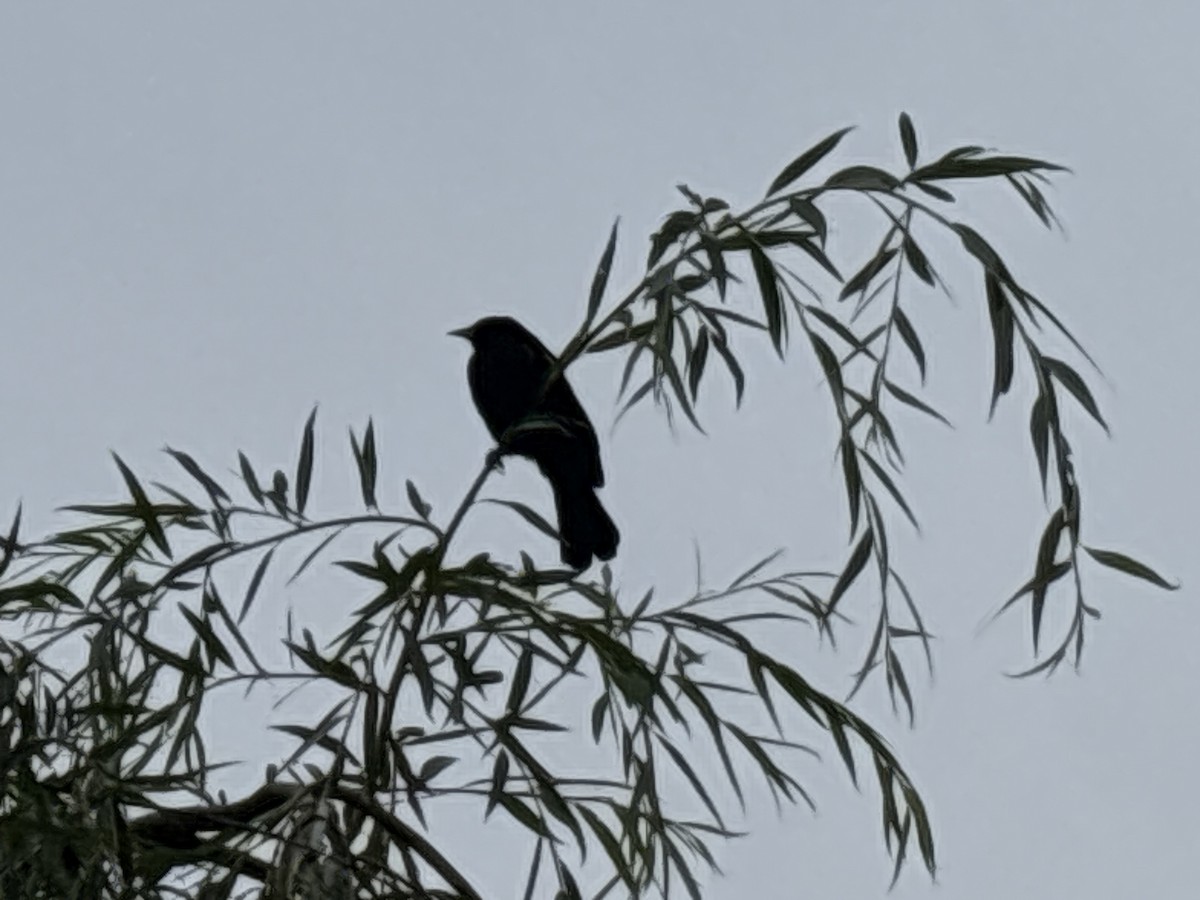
{"x": 489, "y": 330}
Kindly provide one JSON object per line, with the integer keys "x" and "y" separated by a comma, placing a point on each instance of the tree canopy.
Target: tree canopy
{"x": 458, "y": 674}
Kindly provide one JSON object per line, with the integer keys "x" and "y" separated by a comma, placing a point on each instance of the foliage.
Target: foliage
{"x": 444, "y": 674}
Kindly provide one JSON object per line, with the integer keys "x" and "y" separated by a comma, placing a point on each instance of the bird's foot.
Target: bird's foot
{"x": 495, "y": 459}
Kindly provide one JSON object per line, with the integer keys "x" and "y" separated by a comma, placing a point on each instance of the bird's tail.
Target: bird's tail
{"x": 584, "y": 527}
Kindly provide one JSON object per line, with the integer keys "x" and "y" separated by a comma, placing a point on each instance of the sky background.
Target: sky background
{"x": 214, "y": 216}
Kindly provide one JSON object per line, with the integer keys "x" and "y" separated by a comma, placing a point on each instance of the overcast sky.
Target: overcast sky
{"x": 214, "y": 215}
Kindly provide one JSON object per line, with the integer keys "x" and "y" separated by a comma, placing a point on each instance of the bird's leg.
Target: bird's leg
{"x": 495, "y": 458}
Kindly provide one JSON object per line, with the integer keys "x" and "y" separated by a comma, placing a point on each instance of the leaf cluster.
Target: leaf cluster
{"x": 449, "y": 674}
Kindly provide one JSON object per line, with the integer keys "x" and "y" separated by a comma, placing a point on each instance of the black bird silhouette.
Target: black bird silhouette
{"x": 543, "y": 422}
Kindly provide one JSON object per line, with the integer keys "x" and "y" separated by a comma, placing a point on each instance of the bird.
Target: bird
{"x": 545, "y": 423}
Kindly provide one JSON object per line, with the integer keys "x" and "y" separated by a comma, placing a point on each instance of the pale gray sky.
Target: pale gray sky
{"x": 213, "y": 216}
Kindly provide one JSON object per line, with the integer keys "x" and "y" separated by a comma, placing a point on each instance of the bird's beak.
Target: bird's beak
{"x": 461, "y": 332}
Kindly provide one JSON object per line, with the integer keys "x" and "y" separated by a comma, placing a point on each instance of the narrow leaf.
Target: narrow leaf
{"x": 415, "y": 500}
{"x": 735, "y": 370}
{"x": 863, "y": 178}
{"x": 908, "y": 334}
{"x": 695, "y": 368}
{"x": 808, "y": 212}
{"x": 1039, "y": 432}
{"x": 768, "y": 286}
{"x": 600, "y": 279}
{"x": 250, "y": 479}
{"x": 255, "y": 581}
{"x": 304, "y": 465}
{"x": 915, "y": 402}
{"x": 528, "y": 515}
{"x": 1047, "y": 549}
{"x": 908, "y": 137}
{"x": 806, "y": 161}
{"x": 862, "y": 278}
{"x": 854, "y": 566}
{"x": 214, "y": 490}
{"x": 1071, "y": 380}
{"x": 1002, "y": 334}
{"x": 1129, "y": 566}
{"x": 918, "y": 261}
{"x": 144, "y": 508}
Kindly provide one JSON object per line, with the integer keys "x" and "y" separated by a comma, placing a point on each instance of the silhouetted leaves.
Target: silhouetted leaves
{"x": 806, "y": 161}
{"x": 443, "y": 664}
{"x": 908, "y": 137}
{"x": 1002, "y": 335}
{"x": 304, "y": 464}
{"x": 600, "y": 279}
{"x": 1129, "y": 566}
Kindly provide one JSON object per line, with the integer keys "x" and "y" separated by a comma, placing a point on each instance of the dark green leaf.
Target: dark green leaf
{"x": 807, "y": 211}
{"x": 1032, "y": 197}
{"x": 304, "y": 465}
{"x": 934, "y": 191}
{"x": 250, "y": 479}
{"x": 908, "y": 137}
{"x": 368, "y": 465}
{"x": 214, "y": 490}
{"x": 853, "y": 477}
{"x": 838, "y": 732}
{"x": 714, "y": 723}
{"x": 415, "y": 500}
{"x": 528, "y": 515}
{"x": 1039, "y": 432}
{"x": 830, "y": 366}
{"x": 1070, "y": 379}
{"x": 697, "y": 784}
{"x": 1043, "y": 568}
{"x": 677, "y": 224}
{"x": 612, "y": 847}
{"x": 621, "y": 337}
{"x": 695, "y": 199}
{"x": 854, "y": 566}
{"x": 600, "y": 279}
{"x": 917, "y": 261}
{"x": 909, "y": 335}
{"x": 834, "y": 325}
{"x": 499, "y": 780}
{"x": 716, "y": 262}
{"x": 33, "y": 592}
{"x": 967, "y": 167}
{"x": 804, "y": 241}
{"x": 859, "y": 281}
{"x": 203, "y": 628}
{"x": 768, "y": 287}
{"x": 892, "y": 488}
{"x": 695, "y": 368}
{"x": 731, "y": 363}
{"x": 806, "y": 161}
{"x": 520, "y": 682}
{"x": 434, "y": 766}
{"x": 523, "y": 814}
{"x": 975, "y": 244}
{"x": 1047, "y": 578}
{"x": 255, "y": 581}
{"x": 1002, "y": 334}
{"x": 863, "y": 178}
{"x": 1129, "y": 566}
{"x": 671, "y": 370}
{"x": 10, "y": 546}
{"x": 916, "y": 403}
{"x": 145, "y": 510}
{"x": 599, "y": 711}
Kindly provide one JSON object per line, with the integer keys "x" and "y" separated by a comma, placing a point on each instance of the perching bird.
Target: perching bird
{"x": 546, "y": 424}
